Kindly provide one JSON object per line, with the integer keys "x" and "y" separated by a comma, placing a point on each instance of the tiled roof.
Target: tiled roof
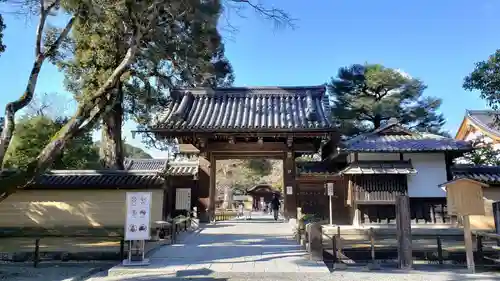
{"x": 380, "y": 167}
{"x": 247, "y": 109}
{"x": 485, "y": 119}
{"x": 145, "y": 164}
{"x": 101, "y": 179}
{"x": 181, "y": 166}
{"x": 485, "y": 174}
{"x": 182, "y": 170}
{"x": 313, "y": 168}
{"x": 395, "y": 138}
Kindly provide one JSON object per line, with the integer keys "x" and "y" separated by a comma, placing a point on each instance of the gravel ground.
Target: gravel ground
{"x": 47, "y": 272}
{"x": 350, "y": 275}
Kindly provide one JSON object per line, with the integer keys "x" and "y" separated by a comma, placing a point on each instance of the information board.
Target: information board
{"x": 330, "y": 190}
{"x": 137, "y": 221}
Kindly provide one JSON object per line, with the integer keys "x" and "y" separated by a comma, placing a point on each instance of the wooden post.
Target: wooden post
{"x": 122, "y": 249}
{"x": 439, "y": 250}
{"x": 468, "y": 244}
{"x": 496, "y": 215}
{"x": 290, "y": 208}
{"x": 212, "y": 190}
{"x": 36, "y": 257}
{"x": 403, "y": 223}
{"x": 372, "y": 244}
{"x": 479, "y": 249}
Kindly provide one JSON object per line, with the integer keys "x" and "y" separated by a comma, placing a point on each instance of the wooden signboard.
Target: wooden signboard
{"x": 465, "y": 198}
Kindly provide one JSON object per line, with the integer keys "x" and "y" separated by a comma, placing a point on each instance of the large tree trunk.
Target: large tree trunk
{"x": 111, "y": 149}
{"x": 12, "y": 107}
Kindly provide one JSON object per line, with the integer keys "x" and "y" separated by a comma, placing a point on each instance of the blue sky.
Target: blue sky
{"x": 436, "y": 41}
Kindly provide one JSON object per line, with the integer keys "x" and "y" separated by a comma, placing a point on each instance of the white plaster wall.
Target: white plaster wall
{"x": 374, "y": 156}
{"x": 431, "y": 171}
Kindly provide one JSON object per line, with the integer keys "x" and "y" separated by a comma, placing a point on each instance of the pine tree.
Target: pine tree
{"x": 365, "y": 96}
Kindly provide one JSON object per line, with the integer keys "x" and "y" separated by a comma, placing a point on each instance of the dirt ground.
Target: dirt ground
{"x": 87, "y": 244}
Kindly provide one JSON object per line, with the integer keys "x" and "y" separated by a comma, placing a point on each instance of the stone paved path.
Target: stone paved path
{"x": 257, "y": 245}
{"x": 260, "y": 249}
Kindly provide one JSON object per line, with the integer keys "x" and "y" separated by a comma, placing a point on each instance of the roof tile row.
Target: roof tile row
{"x": 250, "y": 109}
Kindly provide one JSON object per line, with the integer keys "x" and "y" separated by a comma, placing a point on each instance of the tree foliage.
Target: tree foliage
{"x": 244, "y": 174}
{"x": 485, "y": 78}
{"x": 187, "y": 51}
{"x": 261, "y": 167}
{"x": 151, "y": 30}
{"x": 32, "y": 134}
{"x": 130, "y": 151}
{"x": 364, "y": 96}
{"x": 2, "y": 28}
{"x": 47, "y": 42}
{"x": 135, "y": 152}
{"x": 483, "y": 154}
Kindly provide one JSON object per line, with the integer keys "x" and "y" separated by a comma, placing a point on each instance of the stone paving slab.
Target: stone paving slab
{"x": 350, "y": 275}
{"x": 259, "y": 245}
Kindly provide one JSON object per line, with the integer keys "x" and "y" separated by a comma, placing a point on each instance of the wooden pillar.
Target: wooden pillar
{"x": 170, "y": 208}
{"x": 212, "y": 190}
{"x": 496, "y": 216}
{"x": 203, "y": 184}
{"x": 290, "y": 208}
{"x": 403, "y": 223}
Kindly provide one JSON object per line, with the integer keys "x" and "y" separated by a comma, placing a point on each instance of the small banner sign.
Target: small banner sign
{"x": 137, "y": 221}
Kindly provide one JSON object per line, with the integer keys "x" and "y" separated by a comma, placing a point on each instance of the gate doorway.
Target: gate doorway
{"x": 280, "y": 123}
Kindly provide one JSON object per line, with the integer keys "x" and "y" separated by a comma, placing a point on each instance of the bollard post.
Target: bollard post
{"x": 299, "y": 236}
{"x": 174, "y": 232}
{"x": 334, "y": 249}
{"x": 479, "y": 249}
{"x": 338, "y": 236}
{"x": 439, "y": 250}
{"x": 373, "y": 265}
{"x": 372, "y": 244}
{"x": 122, "y": 249}
{"x": 36, "y": 257}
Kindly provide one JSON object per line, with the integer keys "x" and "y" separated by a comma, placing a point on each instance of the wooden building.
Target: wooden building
{"x": 479, "y": 124}
{"x": 258, "y": 122}
{"x": 264, "y": 192}
{"x": 391, "y": 161}
{"x": 312, "y": 177}
{"x": 489, "y": 175}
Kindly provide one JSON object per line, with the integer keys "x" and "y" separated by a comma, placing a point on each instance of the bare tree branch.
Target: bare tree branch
{"x": 278, "y": 16}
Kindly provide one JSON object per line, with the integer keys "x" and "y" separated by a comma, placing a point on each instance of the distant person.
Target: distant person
{"x": 240, "y": 210}
{"x": 275, "y": 204}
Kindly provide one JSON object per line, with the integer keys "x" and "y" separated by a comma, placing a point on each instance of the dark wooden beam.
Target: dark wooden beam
{"x": 248, "y": 155}
{"x": 256, "y": 147}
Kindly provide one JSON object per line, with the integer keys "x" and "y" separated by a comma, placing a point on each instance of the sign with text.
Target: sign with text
{"x": 289, "y": 190}
{"x": 329, "y": 189}
{"x": 137, "y": 220}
